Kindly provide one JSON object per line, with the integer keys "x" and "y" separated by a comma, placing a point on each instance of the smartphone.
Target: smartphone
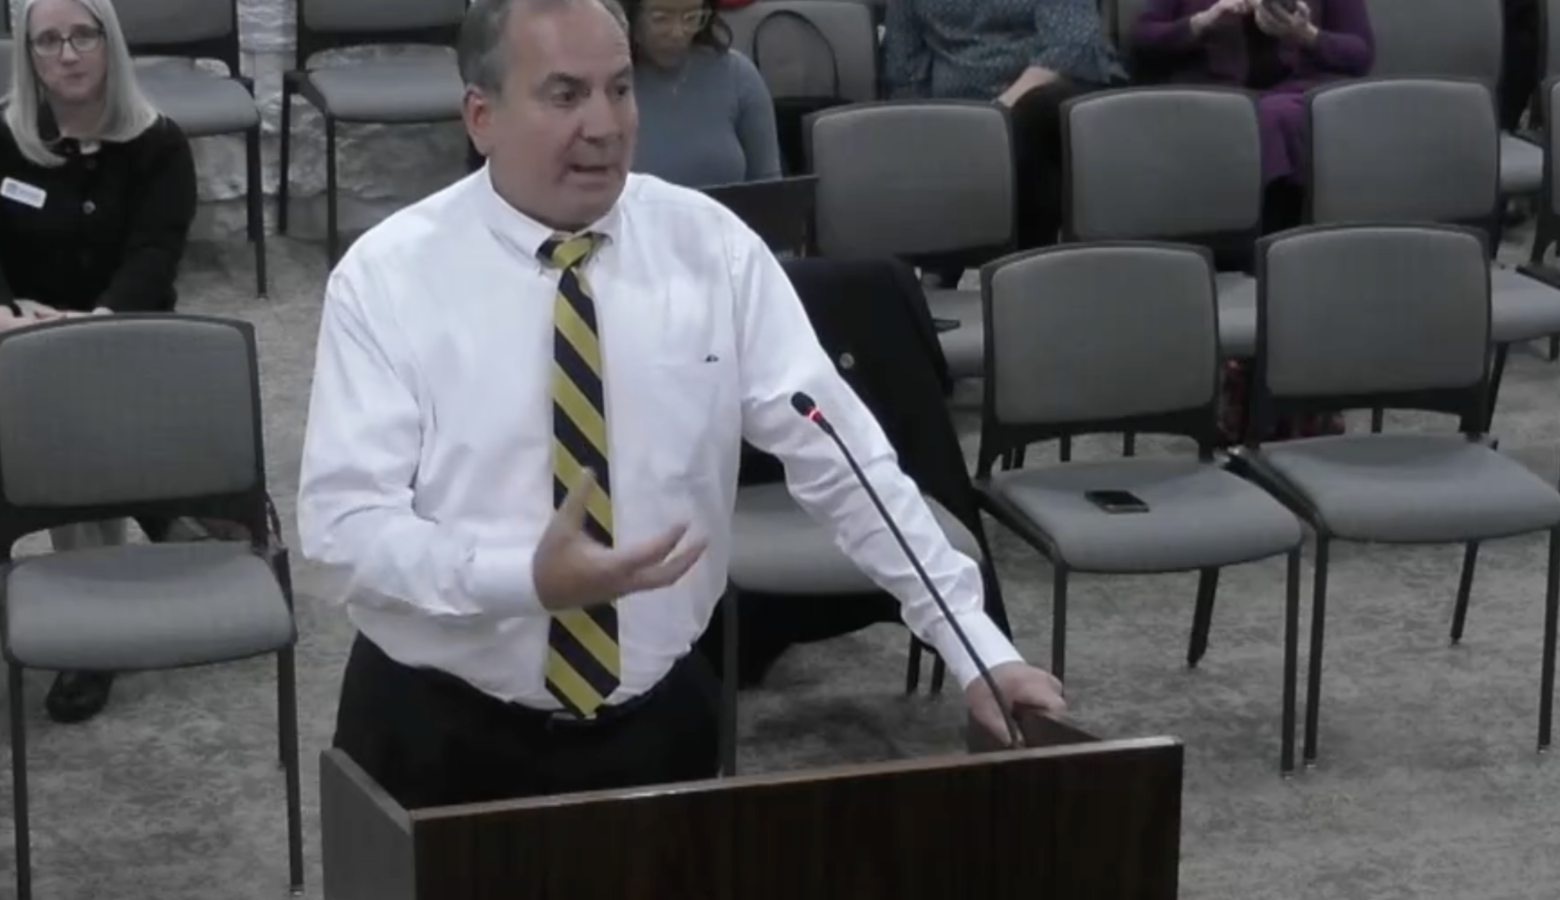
{"x": 1116, "y": 502}
{"x": 1287, "y": 7}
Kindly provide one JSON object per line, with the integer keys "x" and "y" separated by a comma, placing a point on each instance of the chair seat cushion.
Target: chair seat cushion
{"x": 776, "y": 547}
{"x": 1412, "y": 488}
{"x": 201, "y": 103}
{"x": 1521, "y": 166}
{"x": 1237, "y": 314}
{"x": 390, "y": 91}
{"x": 964, "y": 347}
{"x": 1521, "y": 308}
{"x": 1199, "y": 515}
{"x": 143, "y": 607}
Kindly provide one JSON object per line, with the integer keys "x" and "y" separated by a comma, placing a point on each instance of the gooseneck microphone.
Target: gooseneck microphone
{"x": 804, "y": 406}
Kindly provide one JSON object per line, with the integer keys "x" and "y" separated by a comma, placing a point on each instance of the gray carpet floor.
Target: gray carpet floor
{"x": 1428, "y": 786}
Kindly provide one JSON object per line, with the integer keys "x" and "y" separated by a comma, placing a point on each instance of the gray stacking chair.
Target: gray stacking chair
{"x": 1453, "y": 39}
{"x": 203, "y": 103}
{"x": 366, "y": 89}
{"x": 918, "y": 180}
{"x": 155, "y": 415}
{"x": 1172, "y": 164}
{"x": 792, "y": 64}
{"x": 1108, "y": 337}
{"x": 1422, "y": 150}
{"x": 1395, "y": 316}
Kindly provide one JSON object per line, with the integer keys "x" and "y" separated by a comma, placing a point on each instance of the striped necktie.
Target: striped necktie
{"x": 582, "y": 645}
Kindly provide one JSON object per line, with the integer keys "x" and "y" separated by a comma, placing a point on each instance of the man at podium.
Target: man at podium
{"x": 529, "y": 398}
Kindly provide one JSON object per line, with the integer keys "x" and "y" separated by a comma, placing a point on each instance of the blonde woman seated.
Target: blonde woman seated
{"x": 97, "y": 192}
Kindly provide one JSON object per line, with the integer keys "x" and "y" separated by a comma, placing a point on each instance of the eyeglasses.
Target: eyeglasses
{"x": 692, "y": 20}
{"x": 81, "y": 40}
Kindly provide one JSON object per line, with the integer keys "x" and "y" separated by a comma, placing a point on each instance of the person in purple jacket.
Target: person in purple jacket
{"x": 1277, "y": 48}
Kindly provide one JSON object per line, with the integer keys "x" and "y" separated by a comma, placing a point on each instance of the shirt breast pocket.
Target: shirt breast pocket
{"x": 700, "y": 417}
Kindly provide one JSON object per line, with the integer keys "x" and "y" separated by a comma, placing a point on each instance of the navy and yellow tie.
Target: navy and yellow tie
{"x": 583, "y": 658}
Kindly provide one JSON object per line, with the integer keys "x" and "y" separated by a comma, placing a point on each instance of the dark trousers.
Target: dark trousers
{"x": 431, "y": 739}
{"x": 1037, "y": 156}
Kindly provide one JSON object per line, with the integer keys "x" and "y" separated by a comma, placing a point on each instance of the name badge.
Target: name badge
{"x": 23, "y": 193}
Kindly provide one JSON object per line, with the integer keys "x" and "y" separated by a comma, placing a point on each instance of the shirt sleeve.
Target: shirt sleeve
{"x": 1162, "y": 26}
{"x": 780, "y": 354}
{"x": 162, "y": 209}
{"x": 756, "y": 129}
{"x": 907, "y": 60}
{"x": 1345, "y": 43}
{"x": 356, "y": 491}
{"x": 1070, "y": 41}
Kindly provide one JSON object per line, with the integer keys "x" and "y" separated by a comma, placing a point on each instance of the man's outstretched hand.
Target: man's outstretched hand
{"x": 1025, "y": 688}
{"x": 572, "y": 570}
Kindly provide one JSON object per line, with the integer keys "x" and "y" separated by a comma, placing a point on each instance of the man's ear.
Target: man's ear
{"x": 477, "y": 113}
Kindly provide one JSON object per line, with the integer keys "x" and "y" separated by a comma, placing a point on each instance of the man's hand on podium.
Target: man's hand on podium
{"x": 1024, "y": 686}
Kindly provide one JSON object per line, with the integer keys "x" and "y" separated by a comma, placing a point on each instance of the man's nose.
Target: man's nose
{"x": 602, "y": 121}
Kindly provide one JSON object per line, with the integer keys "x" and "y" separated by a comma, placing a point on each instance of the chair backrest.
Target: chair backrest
{"x": 913, "y": 178}
{"x": 1099, "y": 337}
{"x": 1549, "y": 25}
{"x": 330, "y": 24}
{"x": 1416, "y": 150}
{"x": 1438, "y": 38}
{"x": 112, "y": 416}
{"x": 1392, "y": 316}
{"x": 1550, "y": 99}
{"x": 195, "y": 29}
{"x": 779, "y": 210}
{"x": 7, "y": 47}
{"x": 1162, "y": 164}
{"x": 809, "y": 48}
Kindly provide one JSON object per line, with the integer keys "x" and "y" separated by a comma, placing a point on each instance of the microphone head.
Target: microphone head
{"x": 803, "y": 404}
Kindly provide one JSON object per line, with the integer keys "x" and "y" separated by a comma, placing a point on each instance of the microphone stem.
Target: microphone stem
{"x": 1014, "y": 735}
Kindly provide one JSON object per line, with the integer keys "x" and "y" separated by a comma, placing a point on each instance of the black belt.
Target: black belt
{"x": 561, "y": 718}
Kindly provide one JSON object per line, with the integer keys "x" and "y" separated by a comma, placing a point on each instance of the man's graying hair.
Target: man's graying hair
{"x": 483, "y": 58}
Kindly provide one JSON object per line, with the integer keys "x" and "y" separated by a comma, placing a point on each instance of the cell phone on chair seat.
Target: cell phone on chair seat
{"x": 1116, "y": 502}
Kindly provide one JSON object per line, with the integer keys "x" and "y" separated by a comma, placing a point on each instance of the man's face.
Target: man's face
{"x": 560, "y": 137}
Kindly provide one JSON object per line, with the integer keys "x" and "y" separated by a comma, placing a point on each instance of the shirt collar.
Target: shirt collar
{"x": 527, "y": 235}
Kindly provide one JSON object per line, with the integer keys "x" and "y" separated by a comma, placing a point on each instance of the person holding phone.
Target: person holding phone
{"x": 1280, "y": 48}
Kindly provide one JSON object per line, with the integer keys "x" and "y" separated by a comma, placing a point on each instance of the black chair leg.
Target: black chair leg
{"x": 1378, "y": 418}
{"x": 1497, "y": 370}
{"x": 1129, "y": 444}
{"x": 1313, "y": 687}
{"x": 939, "y": 674}
{"x": 1064, "y": 452}
{"x": 1202, "y": 617}
{"x": 728, "y": 684}
{"x": 1546, "y": 681}
{"x": 1464, "y": 588}
{"x": 284, "y": 159}
{"x": 1554, "y": 348}
{"x": 19, "y": 786}
{"x": 256, "y": 206}
{"x": 1059, "y": 621}
{"x": 332, "y": 235}
{"x": 913, "y": 666}
{"x": 287, "y": 708}
{"x": 1286, "y": 760}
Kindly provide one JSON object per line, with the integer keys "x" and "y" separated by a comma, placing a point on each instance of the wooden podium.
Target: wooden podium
{"x": 1067, "y": 818}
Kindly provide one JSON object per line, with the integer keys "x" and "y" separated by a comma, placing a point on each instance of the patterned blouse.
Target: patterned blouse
{"x": 975, "y": 49}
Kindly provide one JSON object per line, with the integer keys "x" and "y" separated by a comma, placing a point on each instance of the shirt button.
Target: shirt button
{"x": 89, "y": 207}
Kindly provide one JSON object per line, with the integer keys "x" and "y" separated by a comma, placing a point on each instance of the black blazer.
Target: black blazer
{"x": 107, "y": 228}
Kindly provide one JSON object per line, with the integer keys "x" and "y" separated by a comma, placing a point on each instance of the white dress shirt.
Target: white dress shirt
{"x": 427, "y": 469}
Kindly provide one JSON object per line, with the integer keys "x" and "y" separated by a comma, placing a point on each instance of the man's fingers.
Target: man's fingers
{"x": 571, "y": 513}
{"x": 627, "y": 561}
{"x": 668, "y": 572}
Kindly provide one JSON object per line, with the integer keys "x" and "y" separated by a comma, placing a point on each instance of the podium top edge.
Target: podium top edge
{"x": 828, "y": 773}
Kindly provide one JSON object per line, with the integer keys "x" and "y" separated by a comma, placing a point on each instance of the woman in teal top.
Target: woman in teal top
{"x": 705, "y": 114}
